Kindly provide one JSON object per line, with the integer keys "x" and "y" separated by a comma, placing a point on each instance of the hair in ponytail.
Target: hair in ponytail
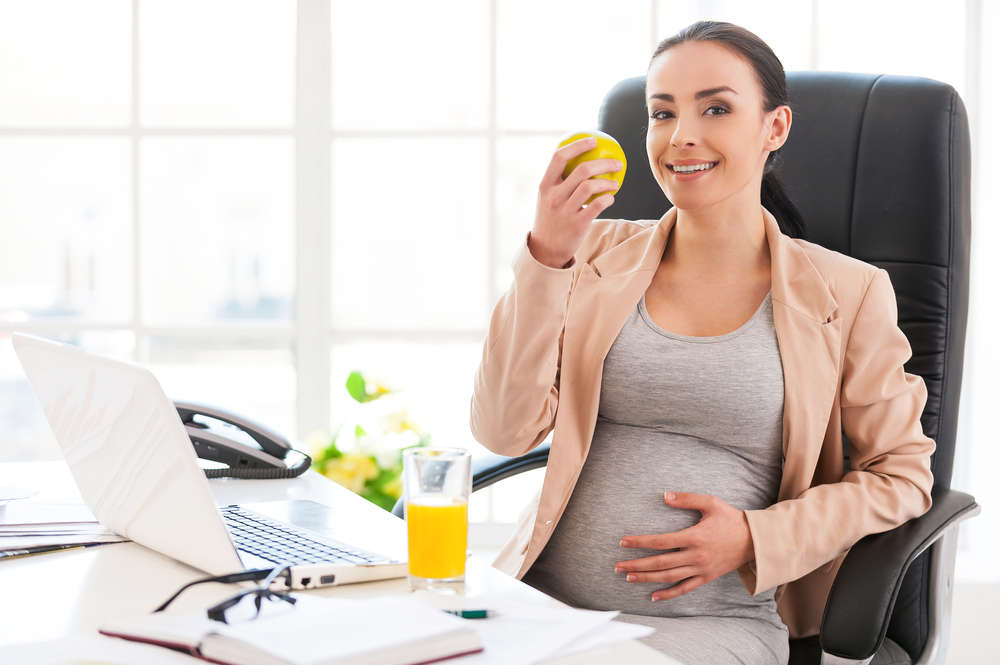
{"x": 771, "y": 76}
{"x": 774, "y": 198}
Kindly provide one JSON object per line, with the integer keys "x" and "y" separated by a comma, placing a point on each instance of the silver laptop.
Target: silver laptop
{"x": 137, "y": 470}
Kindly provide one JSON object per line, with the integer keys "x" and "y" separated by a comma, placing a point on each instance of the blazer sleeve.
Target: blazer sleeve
{"x": 516, "y": 389}
{"x": 890, "y": 478}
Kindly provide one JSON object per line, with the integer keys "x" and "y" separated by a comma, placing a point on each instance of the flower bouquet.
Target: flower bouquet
{"x": 369, "y": 460}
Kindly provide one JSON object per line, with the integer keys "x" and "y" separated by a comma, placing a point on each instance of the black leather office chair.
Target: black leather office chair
{"x": 879, "y": 166}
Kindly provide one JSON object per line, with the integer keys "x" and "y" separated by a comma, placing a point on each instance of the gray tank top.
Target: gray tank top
{"x": 691, "y": 414}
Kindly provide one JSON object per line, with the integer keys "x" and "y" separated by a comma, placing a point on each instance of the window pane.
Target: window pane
{"x": 557, "y": 60}
{"x": 435, "y": 381}
{"x": 390, "y": 74}
{"x": 785, "y": 25}
{"x": 64, "y": 62}
{"x": 913, "y": 46}
{"x": 976, "y": 454}
{"x": 217, "y": 232}
{"x": 521, "y": 163}
{"x": 26, "y": 432}
{"x": 409, "y": 233}
{"x": 252, "y": 378}
{"x": 226, "y": 62}
{"x": 65, "y": 217}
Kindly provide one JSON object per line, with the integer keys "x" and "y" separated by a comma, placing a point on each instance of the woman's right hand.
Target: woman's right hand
{"x": 561, "y": 221}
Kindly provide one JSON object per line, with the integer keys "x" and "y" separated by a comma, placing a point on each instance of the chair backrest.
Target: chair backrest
{"x": 879, "y": 167}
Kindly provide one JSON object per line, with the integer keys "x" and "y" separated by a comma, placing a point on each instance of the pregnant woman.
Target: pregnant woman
{"x": 696, "y": 372}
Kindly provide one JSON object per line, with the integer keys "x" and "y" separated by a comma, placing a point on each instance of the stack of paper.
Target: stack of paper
{"x": 27, "y": 526}
{"x": 521, "y": 633}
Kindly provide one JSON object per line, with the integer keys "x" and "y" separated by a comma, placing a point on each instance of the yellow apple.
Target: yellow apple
{"x": 607, "y": 148}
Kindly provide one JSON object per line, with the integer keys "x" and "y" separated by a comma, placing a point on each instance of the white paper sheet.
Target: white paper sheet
{"x": 522, "y": 634}
{"x": 34, "y": 513}
{"x": 615, "y": 631}
{"x": 92, "y": 650}
{"x": 30, "y": 524}
{"x": 8, "y": 493}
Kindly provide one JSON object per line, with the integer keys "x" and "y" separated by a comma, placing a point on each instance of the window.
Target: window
{"x": 147, "y": 197}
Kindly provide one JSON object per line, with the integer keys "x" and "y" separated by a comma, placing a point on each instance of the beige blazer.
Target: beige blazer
{"x": 842, "y": 356}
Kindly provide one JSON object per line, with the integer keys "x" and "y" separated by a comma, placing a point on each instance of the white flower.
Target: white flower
{"x": 391, "y": 443}
{"x": 316, "y": 442}
{"x": 386, "y": 447}
{"x": 367, "y": 444}
{"x": 386, "y": 457}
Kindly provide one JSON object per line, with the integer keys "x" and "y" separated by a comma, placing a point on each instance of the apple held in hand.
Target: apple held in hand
{"x": 607, "y": 148}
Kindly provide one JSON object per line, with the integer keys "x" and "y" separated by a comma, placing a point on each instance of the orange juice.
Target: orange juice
{"x": 437, "y": 531}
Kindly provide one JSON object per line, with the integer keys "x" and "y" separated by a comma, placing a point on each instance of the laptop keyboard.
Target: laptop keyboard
{"x": 282, "y": 543}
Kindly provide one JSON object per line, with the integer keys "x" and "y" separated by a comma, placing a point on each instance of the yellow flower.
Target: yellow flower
{"x": 351, "y": 470}
{"x": 394, "y": 488}
{"x": 399, "y": 421}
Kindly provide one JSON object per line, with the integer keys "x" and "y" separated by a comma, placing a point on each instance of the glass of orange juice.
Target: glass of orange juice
{"x": 436, "y": 487}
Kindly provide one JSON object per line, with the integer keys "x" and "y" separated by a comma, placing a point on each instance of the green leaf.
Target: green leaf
{"x": 356, "y": 386}
{"x": 359, "y": 431}
{"x": 384, "y": 476}
{"x": 380, "y": 499}
{"x": 327, "y": 454}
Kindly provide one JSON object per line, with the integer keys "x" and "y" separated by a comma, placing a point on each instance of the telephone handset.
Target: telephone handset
{"x": 251, "y": 450}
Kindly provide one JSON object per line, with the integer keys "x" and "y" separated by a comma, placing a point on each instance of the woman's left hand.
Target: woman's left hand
{"x": 719, "y": 543}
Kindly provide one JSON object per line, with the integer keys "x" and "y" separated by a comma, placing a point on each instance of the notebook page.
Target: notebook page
{"x": 178, "y": 629}
{"x": 320, "y": 630}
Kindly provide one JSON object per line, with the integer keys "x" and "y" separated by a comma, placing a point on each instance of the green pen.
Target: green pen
{"x": 472, "y": 614}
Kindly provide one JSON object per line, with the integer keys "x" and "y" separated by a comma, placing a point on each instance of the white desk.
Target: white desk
{"x": 60, "y": 594}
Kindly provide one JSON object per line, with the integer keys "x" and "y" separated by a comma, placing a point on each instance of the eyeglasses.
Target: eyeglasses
{"x": 260, "y": 593}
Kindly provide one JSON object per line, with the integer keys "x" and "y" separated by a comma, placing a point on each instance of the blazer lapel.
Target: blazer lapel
{"x": 808, "y": 327}
{"x": 805, "y": 320}
{"x": 601, "y": 301}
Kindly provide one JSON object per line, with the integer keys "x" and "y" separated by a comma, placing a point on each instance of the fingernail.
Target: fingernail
{"x": 631, "y": 578}
{"x": 653, "y": 598}
{"x": 618, "y": 569}
{"x": 622, "y": 543}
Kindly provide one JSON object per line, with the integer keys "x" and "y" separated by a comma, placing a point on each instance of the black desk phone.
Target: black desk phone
{"x": 251, "y": 450}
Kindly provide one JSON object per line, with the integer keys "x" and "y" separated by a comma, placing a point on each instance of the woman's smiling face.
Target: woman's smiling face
{"x": 724, "y": 127}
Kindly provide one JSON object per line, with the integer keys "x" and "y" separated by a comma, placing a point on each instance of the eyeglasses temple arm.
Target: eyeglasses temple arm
{"x": 244, "y": 576}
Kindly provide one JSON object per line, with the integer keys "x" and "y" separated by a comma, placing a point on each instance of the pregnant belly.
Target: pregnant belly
{"x": 620, "y": 492}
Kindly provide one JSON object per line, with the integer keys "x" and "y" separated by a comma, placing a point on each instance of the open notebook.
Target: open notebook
{"x": 315, "y": 631}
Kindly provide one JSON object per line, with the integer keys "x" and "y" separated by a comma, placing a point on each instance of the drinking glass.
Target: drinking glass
{"x": 436, "y": 487}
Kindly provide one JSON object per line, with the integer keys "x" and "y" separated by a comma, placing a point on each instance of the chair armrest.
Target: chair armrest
{"x": 864, "y": 592}
{"x": 488, "y": 469}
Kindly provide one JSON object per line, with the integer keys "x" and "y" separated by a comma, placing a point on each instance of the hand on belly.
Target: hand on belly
{"x": 718, "y": 544}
